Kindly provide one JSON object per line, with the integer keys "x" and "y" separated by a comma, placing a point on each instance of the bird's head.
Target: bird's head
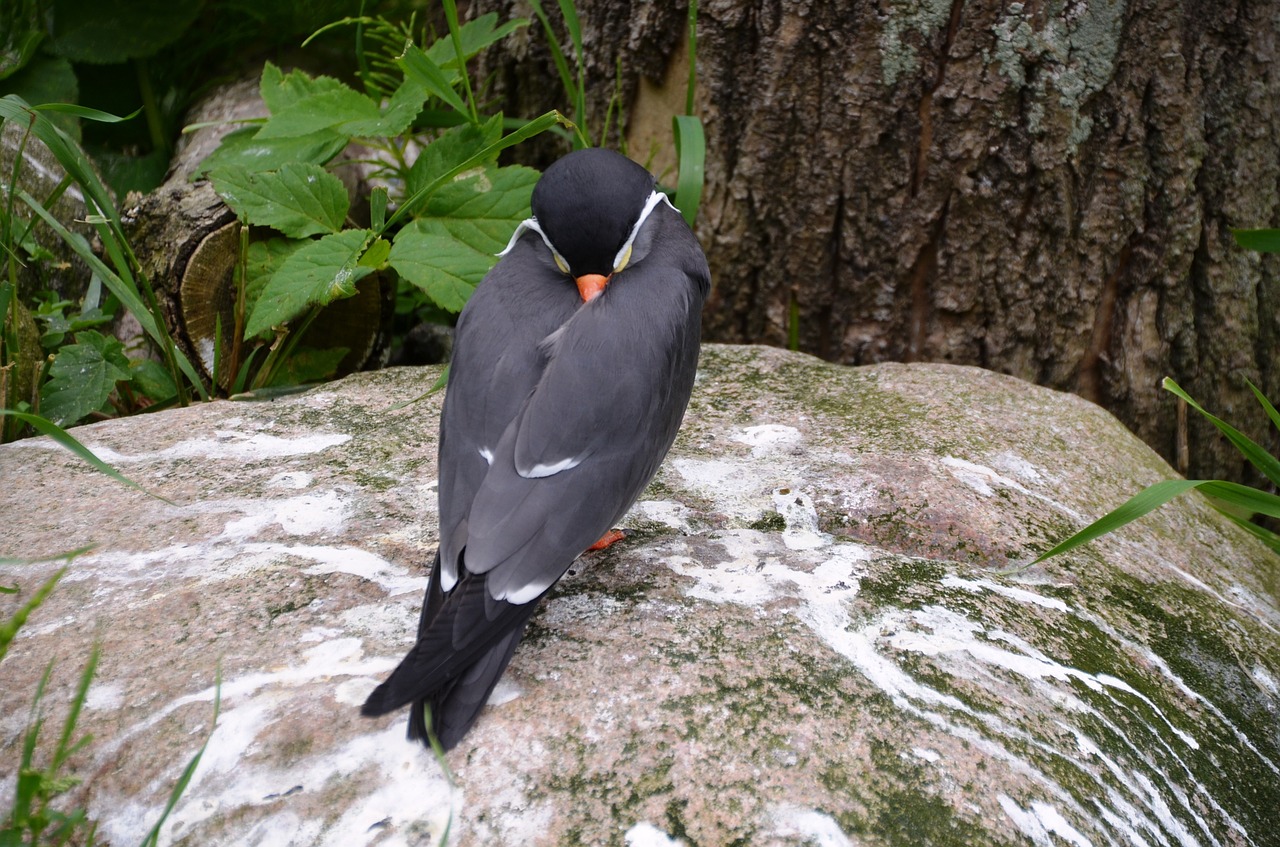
{"x": 589, "y": 206}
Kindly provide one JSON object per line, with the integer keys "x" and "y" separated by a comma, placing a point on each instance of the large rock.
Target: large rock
{"x": 807, "y": 639}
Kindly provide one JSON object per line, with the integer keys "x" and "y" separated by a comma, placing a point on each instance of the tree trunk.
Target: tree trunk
{"x": 1043, "y": 188}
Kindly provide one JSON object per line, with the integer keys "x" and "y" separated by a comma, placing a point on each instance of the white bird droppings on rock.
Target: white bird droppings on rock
{"x": 767, "y": 438}
{"x": 647, "y": 835}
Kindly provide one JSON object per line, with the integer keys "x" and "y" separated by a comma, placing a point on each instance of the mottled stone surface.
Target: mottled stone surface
{"x": 806, "y": 640}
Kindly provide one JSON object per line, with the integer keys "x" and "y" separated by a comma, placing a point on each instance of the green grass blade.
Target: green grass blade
{"x": 1263, "y": 534}
{"x": 9, "y": 629}
{"x": 451, "y": 17}
{"x": 1257, "y": 456}
{"x": 1242, "y": 496}
{"x": 66, "y": 747}
{"x": 441, "y": 382}
{"x": 153, "y": 837}
{"x": 1147, "y": 500}
{"x": 562, "y": 68}
{"x": 691, "y": 153}
{"x": 1266, "y": 404}
{"x": 123, "y": 288}
{"x": 86, "y": 113}
{"x": 574, "y": 26}
{"x": 67, "y": 440}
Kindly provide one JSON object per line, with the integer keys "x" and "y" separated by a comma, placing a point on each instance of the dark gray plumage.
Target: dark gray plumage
{"x": 558, "y": 412}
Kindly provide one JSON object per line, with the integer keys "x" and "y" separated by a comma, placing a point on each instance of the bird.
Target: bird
{"x": 573, "y": 363}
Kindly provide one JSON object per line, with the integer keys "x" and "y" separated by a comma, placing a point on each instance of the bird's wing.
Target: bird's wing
{"x": 591, "y": 434}
{"x": 497, "y": 363}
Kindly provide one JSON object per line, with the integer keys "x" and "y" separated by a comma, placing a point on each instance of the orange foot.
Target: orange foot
{"x": 611, "y": 537}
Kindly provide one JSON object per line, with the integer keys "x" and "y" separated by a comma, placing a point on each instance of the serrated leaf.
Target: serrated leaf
{"x": 325, "y": 110}
{"x": 82, "y": 377}
{"x": 446, "y": 269}
{"x": 1262, "y": 240}
{"x": 317, "y": 274}
{"x": 299, "y": 200}
{"x": 453, "y": 147}
{"x": 242, "y": 148}
{"x": 481, "y": 210}
{"x": 280, "y": 90}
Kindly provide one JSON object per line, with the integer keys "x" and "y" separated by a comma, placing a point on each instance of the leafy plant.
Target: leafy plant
{"x": 86, "y": 372}
{"x": 452, "y": 206}
{"x": 33, "y": 818}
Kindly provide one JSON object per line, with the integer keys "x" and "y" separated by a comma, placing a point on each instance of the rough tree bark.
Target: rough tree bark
{"x": 1041, "y": 188}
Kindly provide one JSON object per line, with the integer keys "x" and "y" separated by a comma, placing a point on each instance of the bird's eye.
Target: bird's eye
{"x": 560, "y": 263}
{"x": 622, "y": 263}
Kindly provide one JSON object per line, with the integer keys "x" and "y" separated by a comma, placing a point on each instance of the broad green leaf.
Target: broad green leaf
{"x": 152, "y": 380}
{"x": 538, "y": 125}
{"x": 325, "y": 110}
{"x": 444, "y": 268}
{"x": 44, "y": 426}
{"x": 691, "y": 152}
{"x": 480, "y": 210}
{"x": 475, "y": 36}
{"x": 280, "y": 90}
{"x": 21, "y": 32}
{"x": 402, "y": 108}
{"x": 265, "y": 258}
{"x": 242, "y": 148}
{"x": 428, "y": 74}
{"x": 82, "y": 377}
{"x": 317, "y": 274}
{"x": 107, "y": 33}
{"x": 47, "y": 79}
{"x": 1258, "y": 457}
{"x": 1262, "y": 240}
{"x": 345, "y": 111}
{"x": 308, "y": 365}
{"x": 299, "y": 200}
{"x": 453, "y": 147}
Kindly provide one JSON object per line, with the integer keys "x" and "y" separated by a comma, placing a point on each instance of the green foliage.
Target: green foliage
{"x": 85, "y": 374}
{"x": 1262, "y": 240}
{"x": 1227, "y": 497}
{"x": 33, "y": 817}
{"x": 454, "y": 208}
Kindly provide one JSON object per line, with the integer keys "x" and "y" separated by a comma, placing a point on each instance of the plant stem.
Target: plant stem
{"x": 149, "y": 106}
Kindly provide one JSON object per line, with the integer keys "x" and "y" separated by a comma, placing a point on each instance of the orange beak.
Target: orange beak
{"x": 590, "y": 286}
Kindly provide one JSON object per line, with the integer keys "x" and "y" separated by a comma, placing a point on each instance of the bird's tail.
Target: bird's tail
{"x": 454, "y": 709}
